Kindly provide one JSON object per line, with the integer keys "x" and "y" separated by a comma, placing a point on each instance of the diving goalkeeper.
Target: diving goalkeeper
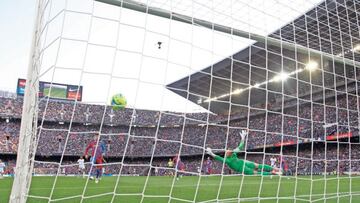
{"x": 241, "y": 165}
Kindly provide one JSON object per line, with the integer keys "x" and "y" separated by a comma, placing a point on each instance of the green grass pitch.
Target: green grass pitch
{"x": 158, "y": 189}
{"x": 55, "y": 92}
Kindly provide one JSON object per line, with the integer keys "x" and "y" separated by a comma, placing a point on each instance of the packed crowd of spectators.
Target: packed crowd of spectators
{"x": 55, "y": 139}
{"x": 143, "y": 133}
{"x": 66, "y": 111}
{"x": 298, "y": 124}
{"x": 320, "y": 159}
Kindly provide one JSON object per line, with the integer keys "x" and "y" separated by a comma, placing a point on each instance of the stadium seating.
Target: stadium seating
{"x": 188, "y": 129}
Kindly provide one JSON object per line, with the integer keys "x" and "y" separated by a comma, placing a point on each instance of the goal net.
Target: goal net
{"x": 197, "y": 76}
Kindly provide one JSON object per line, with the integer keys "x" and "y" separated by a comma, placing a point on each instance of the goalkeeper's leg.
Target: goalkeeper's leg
{"x": 248, "y": 171}
{"x": 262, "y": 168}
{"x": 252, "y": 168}
{"x": 267, "y": 168}
{"x": 264, "y": 173}
{"x": 252, "y": 171}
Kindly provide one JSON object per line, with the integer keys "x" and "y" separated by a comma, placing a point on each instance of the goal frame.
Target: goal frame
{"x": 29, "y": 118}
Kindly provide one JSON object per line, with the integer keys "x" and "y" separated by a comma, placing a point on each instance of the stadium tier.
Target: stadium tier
{"x": 188, "y": 129}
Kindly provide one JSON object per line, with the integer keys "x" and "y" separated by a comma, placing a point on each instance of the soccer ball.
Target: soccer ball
{"x": 118, "y": 101}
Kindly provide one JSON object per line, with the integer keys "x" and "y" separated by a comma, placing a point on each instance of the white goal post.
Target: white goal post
{"x": 29, "y": 119}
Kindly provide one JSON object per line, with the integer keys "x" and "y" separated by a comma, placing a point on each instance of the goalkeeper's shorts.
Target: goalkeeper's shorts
{"x": 248, "y": 171}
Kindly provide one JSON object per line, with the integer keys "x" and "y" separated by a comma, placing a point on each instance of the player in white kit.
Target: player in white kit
{"x": 273, "y": 161}
{"x": 2, "y": 168}
{"x": 81, "y": 163}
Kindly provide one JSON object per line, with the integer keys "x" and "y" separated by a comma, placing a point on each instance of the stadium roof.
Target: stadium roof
{"x": 331, "y": 27}
{"x": 145, "y": 74}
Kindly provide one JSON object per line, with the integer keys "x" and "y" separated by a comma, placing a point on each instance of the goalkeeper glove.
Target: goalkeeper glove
{"x": 243, "y": 134}
{"x": 209, "y": 152}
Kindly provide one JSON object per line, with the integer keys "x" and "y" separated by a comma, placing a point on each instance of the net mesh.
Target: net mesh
{"x": 295, "y": 91}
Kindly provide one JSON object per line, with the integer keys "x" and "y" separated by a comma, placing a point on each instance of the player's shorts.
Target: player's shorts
{"x": 1, "y": 170}
{"x": 97, "y": 161}
{"x": 81, "y": 167}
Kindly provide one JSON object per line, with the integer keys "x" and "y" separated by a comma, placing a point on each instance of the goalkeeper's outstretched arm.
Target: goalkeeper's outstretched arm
{"x": 243, "y": 135}
{"x": 216, "y": 157}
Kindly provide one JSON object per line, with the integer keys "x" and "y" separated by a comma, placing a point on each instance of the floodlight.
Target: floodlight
{"x": 281, "y": 77}
{"x": 312, "y": 65}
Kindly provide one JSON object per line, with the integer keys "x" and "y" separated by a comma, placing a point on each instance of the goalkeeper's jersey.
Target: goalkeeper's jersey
{"x": 232, "y": 162}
